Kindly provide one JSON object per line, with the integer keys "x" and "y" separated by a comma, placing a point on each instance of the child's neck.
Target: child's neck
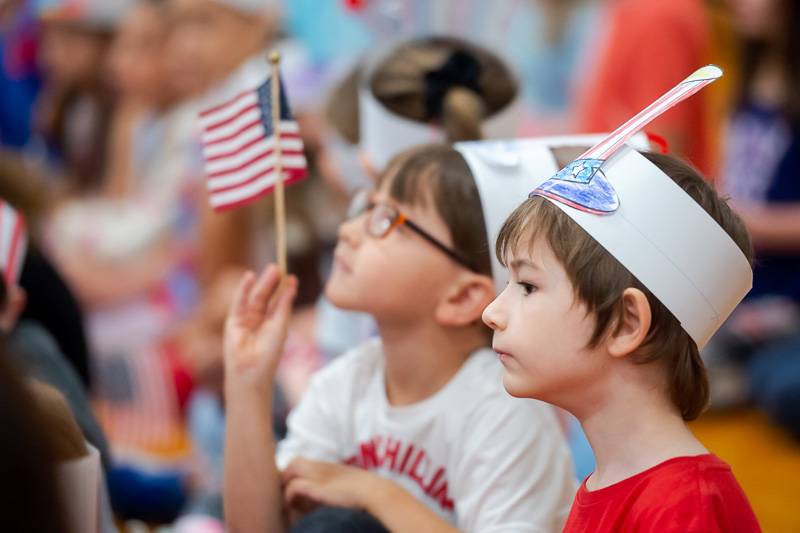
{"x": 421, "y": 358}
{"x": 633, "y": 428}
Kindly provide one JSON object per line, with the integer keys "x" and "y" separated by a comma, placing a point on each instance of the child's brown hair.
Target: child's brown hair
{"x": 403, "y": 83}
{"x": 438, "y": 175}
{"x": 599, "y": 279}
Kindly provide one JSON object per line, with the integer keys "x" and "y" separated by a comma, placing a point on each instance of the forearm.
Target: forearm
{"x": 401, "y": 512}
{"x": 252, "y": 488}
{"x": 774, "y": 228}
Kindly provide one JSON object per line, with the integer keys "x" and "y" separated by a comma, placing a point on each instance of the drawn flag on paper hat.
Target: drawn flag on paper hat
{"x": 503, "y": 171}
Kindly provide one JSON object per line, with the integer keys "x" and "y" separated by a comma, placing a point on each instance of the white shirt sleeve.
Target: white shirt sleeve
{"x": 515, "y": 473}
{"x": 315, "y": 426}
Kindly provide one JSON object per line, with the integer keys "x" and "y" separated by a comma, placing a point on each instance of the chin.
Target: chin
{"x": 343, "y": 297}
{"x": 519, "y": 387}
{"x": 512, "y": 386}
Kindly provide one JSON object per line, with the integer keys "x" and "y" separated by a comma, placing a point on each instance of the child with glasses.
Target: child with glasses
{"x": 414, "y": 428}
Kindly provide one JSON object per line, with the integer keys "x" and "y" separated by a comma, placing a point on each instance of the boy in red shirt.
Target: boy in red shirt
{"x": 623, "y": 265}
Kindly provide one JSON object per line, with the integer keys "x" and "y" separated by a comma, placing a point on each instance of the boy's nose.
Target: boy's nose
{"x": 492, "y": 316}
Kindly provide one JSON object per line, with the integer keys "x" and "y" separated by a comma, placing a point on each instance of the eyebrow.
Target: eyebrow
{"x": 516, "y": 264}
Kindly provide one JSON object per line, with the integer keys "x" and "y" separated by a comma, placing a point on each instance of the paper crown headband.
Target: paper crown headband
{"x": 651, "y": 226}
{"x": 13, "y": 243}
{"x": 503, "y": 170}
{"x": 383, "y": 133}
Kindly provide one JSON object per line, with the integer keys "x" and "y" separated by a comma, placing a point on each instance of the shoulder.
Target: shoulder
{"x": 32, "y": 338}
{"x": 698, "y": 494}
{"x": 37, "y": 351}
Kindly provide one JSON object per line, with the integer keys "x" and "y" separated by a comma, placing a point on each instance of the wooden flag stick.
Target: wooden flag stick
{"x": 280, "y": 202}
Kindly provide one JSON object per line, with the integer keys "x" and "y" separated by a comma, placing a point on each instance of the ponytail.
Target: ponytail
{"x": 462, "y": 114}
{"x": 444, "y": 81}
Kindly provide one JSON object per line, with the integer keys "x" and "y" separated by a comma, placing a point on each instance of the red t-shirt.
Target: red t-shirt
{"x": 686, "y": 494}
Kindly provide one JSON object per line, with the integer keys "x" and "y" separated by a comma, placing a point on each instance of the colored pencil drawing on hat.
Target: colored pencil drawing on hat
{"x": 657, "y": 231}
{"x": 582, "y": 184}
{"x": 505, "y": 170}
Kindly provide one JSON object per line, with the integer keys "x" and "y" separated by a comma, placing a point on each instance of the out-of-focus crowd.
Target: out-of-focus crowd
{"x": 128, "y": 272}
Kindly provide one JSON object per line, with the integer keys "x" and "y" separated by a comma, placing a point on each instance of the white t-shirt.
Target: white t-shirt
{"x": 482, "y": 460}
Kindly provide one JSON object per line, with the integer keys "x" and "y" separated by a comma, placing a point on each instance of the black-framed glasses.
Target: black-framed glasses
{"x": 383, "y": 218}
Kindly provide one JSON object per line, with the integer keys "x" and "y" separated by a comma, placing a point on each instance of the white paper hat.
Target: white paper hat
{"x": 13, "y": 243}
{"x": 651, "y": 226}
{"x": 384, "y": 134}
{"x": 505, "y": 171}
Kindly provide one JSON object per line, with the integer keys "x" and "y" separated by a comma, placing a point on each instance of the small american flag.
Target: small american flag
{"x": 239, "y": 147}
{"x": 13, "y": 243}
{"x": 138, "y": 403}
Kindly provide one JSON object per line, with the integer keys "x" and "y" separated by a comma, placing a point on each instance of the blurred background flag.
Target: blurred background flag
{"x": 239, "y": 144}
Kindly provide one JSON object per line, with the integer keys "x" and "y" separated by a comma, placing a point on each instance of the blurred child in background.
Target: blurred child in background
{"x": 644, "y": 46}
{"x": 385, "y": 106}
{"x": 74, "y": 109}
{"x": 760, "y": 173}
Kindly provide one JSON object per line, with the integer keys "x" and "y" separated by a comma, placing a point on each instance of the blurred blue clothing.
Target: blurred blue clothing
{"x": 762, "y": 166}
{"x": 774, "y": 382}
{"x": 156, "y": 497}
{"x": 19, "y": 79}
{"x": 338, "y": 520}
{"x": 582, "y": 454}
{"x": 548, "y": 70}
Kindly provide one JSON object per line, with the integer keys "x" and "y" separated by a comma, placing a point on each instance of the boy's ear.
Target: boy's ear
{"x": 16, "y": 300}
{"x": 465, "y": 299}
{"x": 632, "y": 326}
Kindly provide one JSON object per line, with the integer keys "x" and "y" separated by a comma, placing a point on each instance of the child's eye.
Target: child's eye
{"x": 527, "y": 287}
